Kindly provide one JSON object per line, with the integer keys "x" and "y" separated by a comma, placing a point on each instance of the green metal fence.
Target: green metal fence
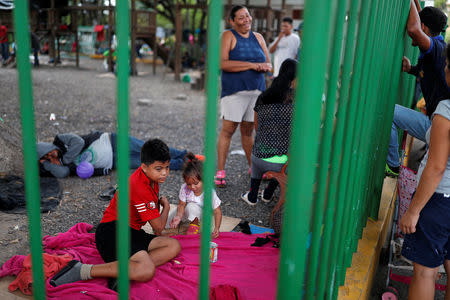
{"x": 349, "y": 81}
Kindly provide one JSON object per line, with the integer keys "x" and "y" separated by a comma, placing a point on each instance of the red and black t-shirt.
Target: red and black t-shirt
{"x": 143, "y": 201}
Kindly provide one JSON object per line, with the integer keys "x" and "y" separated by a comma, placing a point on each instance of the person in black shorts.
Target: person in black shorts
{"x": 147, "y": 251}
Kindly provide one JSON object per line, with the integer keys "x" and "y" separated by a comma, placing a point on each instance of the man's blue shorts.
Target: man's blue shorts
{"x": 430, "y": 244}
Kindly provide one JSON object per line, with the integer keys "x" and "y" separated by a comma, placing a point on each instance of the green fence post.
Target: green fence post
{"x": 214, "y": 17}
{"x": 316, "y": 285}
{"x": 123, "y": 70}
{"x": 374, "y": 185}
{"x": 353, "y": 230}
{"x": 369, "y": 94}
{"x": 386, "y": 113}
{"x": 332, "y": 229}
{"x": 301, "y": 180}
{"x": 32, "y": 193}
{"x": 350, "y": 132}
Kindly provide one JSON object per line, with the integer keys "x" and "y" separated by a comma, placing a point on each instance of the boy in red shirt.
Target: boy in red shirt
{"x": 147, "y": 251}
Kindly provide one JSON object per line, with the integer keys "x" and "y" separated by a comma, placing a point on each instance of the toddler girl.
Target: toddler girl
{"x": 191, "y": 196}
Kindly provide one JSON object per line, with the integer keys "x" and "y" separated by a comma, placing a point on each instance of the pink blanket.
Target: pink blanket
{"x": 252, "y": 270}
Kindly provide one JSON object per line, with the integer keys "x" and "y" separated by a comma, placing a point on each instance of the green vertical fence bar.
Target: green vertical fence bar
{"x": 373, "y": 92}
{"x": 350, "y": 129}
{"x": 327, "y": 141}
{"x": 214, "y": 17}
{"x": 385, "y": 116}
{"x": 379, "y": 86}
{"x": 354, "y": 118}
{"x": 371, "y": 73}
{"x": 353, "y": 189}
{"x": 332, "y": 229}
{"x": 32, "y": 193}
{"x": 313, "y": 288}
{"x": 301, "y": 180}
{"x": 366, "y": 150}
{"x": 123, "y": 70}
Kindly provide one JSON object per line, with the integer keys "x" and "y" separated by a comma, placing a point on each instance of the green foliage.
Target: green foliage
{"x": 441, "y": 4}
{"x": 166, "y": 9}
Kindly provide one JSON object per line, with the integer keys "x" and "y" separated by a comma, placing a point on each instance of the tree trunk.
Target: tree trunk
{"x": 202, "y": 20}
{"x": 194, "y": 14}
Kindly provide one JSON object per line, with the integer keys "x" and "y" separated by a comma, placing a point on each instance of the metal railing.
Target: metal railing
{"x": 348, "y": 82}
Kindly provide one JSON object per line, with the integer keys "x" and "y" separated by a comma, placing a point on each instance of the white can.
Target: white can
{"x": 213, "y": 252}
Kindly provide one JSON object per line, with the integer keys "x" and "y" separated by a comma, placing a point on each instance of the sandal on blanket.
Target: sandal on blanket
{"x": 259, "y": 242}
{"x": 219, "y": 179}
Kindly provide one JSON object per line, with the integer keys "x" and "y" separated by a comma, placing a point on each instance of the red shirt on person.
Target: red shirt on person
{"x": 3, "y": 34}
{"x": 143, "y": 201}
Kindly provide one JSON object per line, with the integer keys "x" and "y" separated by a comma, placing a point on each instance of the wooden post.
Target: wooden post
{"x": 77, "y": 47}
{"x": 283, "y": 10}
{"x": 59, "y": 50}
{"x": 269, "y": 21}
{"x": 282, "y": 14}
{"x": 155, "y": 52}
{"x": 110, "y": 23}
{"x": 133, "y": 37}
{"x": 51, "y": 19}
{"x": 178, "y": 42}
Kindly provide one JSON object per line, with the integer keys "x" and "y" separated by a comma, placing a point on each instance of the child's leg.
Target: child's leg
{"x": 142, "y": 264}
{"x": 135, "y": 152}
{"x": 140, "y": 268}
{"x": 162, "y": 249}
{"x": 270, "y": 189}
{"x": 254, "y": 188}
{"x": 255, "y": 178}
{"x": 192, "y": 211}
{"x": 259, "y": 167}
{"x": 176, "y": 158}
{"x": 422, "y": 283}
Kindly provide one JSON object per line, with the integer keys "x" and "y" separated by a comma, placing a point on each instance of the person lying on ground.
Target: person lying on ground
{"x": 61, "y": 158}
{"x": 273, "y": 122}
{"x": 424, "y": 28}
{"x": 147, "y": 251}
{"x": 191, "y": 197}
{"x": 427, "y": 220}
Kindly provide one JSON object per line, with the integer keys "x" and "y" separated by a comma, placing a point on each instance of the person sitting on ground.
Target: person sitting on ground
{"x": 61, "y": 158}
{"x": 191, "y": 197}
{"x": 147, "y": 251}
{"x": 427, "y": 220}
{"x": 424, "y": 28}
{"x": 273, "y": 116}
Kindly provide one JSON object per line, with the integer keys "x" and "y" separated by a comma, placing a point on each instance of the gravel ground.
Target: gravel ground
{"x": 84, "y": 100}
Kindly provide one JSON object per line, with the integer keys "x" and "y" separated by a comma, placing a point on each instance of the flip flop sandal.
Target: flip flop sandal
{"x": 63, "y": 271}
{"x": 219, "y": 179}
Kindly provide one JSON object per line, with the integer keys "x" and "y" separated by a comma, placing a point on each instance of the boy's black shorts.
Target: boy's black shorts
{"x": 105, "y": 239}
